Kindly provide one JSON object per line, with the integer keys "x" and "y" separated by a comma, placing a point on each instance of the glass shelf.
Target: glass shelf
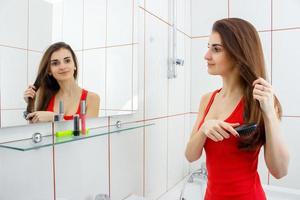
{"x": 48, "y": 140}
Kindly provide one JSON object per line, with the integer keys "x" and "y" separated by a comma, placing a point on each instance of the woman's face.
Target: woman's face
{"x": 62, "y": 65}
{"x": 218, "y": 60}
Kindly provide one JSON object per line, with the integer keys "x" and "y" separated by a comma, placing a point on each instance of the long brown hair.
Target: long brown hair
{"x": 241, "y": 41}
{"x": 48, "y": 86}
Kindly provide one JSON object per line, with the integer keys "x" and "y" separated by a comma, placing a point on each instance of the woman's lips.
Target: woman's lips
{"x": 62, "y": 73}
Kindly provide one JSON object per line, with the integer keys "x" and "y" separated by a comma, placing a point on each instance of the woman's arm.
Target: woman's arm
{"x": 195, "y": 145}
{"x": 92, "y": 105}
{"x": 40, "y": 116}
{"x": 275, "y": 151}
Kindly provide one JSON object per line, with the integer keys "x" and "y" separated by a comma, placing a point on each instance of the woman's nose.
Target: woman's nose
{"x": 207, "y": 55}
{"x": 62, "y": 65}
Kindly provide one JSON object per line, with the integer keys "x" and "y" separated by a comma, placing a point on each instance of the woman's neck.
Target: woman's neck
{"x": 68, "y": 88}
{"x": 232, "y": 87}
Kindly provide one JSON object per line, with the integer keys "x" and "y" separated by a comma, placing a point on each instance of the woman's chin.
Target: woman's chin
{"x": 211, "y": 71}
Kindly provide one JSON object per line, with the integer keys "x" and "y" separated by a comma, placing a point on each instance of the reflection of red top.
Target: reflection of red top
{"x": 67, "y": 117}
{"x": 232, "y": 173}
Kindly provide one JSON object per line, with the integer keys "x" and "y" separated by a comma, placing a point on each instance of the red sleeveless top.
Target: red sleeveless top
{"x": 232, "y": 173}
{"x": 67, "y": 117}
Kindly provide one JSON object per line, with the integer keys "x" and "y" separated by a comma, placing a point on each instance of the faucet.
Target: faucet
{"x": 200, "y": 174}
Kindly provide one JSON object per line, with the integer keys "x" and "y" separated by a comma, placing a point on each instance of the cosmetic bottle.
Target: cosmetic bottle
{"x": 61, "y": 111}
{"x": 76, "y": 131}
{"x": 83, "y": 116}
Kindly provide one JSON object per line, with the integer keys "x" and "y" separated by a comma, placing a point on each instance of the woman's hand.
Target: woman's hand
{"x": 40, "y": 116}
{"x": 218, "y": 130}
{"x": 29, "y": 93}
{"x": 263, "y": 92}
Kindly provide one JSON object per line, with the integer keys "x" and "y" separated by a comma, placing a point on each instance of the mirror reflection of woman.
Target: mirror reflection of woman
{"x": 59, "y": 68}
{"x": 235, "y": 53}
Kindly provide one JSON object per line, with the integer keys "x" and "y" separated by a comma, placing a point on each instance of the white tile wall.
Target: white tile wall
{"x": 156, "y": 67}
{"x": 160, "y": 8}
{"x": 177, "y": 85}
{"x": 94, "y": 23}
{"x": 259, "y": 16}
{"x": 187, "y": 71}
{"x": 82, "y": 169}
{"x": 285, "y": 73}
{"x": 141, "y": 64}
{"x": 181, "y": 15}
{"x": 286, "y": 14}
{"x": 79, "y": 56}
{"x": 72, "y": 32}
{"x": 12, "y": 117}
{"x": 94, "y": 73}
{"x": 265, "y": 38}
{"x": 176, "y": 146}
{"x": 204, "y": 13}
{"x": 26, "y": 175}
{"x": 13, "y": 29}
{"x": 40, "y": 26}
{"x": 119, "y": 22}
{"x": 135, "y": 79}
{"x": 126, "y": 163}
{"x": 156, "y": 159}
{"x": 188, "y": 18}
{"x": 57, "y": 22}
{"x": 34, "y": 59}
{"x": 136, "y": 27}
{"x": 184, "y": 16}
{"x": 119, "y": 67}
{"x": 13, "y": 82}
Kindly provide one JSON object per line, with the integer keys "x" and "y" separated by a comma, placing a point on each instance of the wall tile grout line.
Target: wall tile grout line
{"x": 228, "y": 8}
{"x": 53, "y": 163}
{"x": 144, "y": 105}
{"x": 260, "y": 31}
{"x": 105, "y": 97}
{"x": 160, "y": 19}
{"x": 82, "y": 47}
{"x": 271, "y": 63}
{"x": 109, "y": 155}
{"x": 132, "y": 54}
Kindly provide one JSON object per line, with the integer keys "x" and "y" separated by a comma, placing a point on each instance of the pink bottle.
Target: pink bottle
{"x": 83, "y": 116}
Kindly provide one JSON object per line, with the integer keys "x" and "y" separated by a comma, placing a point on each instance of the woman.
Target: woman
{"x": 57, "y": 82}
{"x": 235, "y": 54}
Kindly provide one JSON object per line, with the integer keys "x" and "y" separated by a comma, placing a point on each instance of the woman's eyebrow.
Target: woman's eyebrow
{"x": 216, "y": 44}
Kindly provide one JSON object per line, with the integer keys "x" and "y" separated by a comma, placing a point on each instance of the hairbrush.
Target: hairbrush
{"x": 246, "y": 129}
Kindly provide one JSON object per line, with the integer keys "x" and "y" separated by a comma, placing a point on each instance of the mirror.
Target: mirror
{"x": 102, "y": 34}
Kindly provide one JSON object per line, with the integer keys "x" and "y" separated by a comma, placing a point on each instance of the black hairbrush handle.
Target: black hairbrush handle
{"x": 246, "y": 129}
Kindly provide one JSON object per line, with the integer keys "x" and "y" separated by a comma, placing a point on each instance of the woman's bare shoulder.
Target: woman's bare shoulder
{"x": 93, "y": 97}
{"x": 204, "y": 100}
